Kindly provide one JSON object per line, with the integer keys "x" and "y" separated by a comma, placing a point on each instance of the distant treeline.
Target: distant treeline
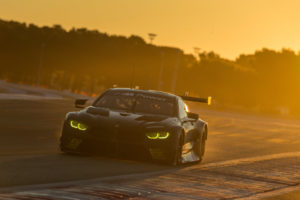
{"x": 89, "y": 61}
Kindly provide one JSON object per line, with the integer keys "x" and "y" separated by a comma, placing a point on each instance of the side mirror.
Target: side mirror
{"x": 79, "y": 103}
{"x": 194, "y": 116}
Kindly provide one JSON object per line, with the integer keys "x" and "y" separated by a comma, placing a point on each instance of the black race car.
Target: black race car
{"x": 121, "y": 121}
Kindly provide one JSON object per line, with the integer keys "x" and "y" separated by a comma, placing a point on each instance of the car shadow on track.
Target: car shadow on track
{"x": 61, "y": 167}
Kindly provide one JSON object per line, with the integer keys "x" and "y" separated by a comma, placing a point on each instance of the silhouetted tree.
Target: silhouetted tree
{"x": 89, "y": 61}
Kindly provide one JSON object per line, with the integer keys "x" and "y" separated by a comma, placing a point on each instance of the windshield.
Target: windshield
{"x": 154, "y": 105}
{"x": 117, "y": 101}
{"x": 137, "y": 102}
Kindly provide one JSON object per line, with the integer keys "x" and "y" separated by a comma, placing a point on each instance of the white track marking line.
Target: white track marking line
{"x": 271, "y": 193}
{"x": 242, "y": 161}
{"x": 6, "y": 96}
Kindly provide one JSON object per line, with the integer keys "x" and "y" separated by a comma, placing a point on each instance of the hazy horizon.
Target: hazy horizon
{"x": 228, "y": 28}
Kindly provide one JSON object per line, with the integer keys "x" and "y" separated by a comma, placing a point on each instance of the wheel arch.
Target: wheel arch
{"x": 180, "y": 135}
{"x": 205, "y": 131}
{"x": 201, "y": 128}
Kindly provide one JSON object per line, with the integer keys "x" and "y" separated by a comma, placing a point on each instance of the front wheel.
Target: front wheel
{"x": 177, "y": 156}
{"x": 200, "y": 146}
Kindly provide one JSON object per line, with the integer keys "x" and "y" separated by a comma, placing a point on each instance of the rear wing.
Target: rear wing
{"x": 196, "y": 99}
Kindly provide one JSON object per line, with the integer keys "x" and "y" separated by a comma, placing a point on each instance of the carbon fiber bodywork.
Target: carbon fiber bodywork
{"x": 113, "y": 132}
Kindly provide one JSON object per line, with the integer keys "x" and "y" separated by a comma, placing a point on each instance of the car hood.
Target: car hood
{"x": 101, "y": 117}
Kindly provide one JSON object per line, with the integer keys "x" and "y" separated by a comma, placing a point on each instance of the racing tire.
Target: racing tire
{"x": 177, "y": 156}
{"x": 200, "y": 148}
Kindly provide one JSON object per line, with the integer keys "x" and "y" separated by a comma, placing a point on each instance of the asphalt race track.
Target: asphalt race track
{"x": 246, "y": 156}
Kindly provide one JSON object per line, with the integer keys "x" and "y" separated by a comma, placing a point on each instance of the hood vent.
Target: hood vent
{"x": 152, "y": 118}
{"x": 98, "y": 111}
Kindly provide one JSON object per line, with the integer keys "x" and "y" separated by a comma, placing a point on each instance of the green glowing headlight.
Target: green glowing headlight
{"x": 81, "y": 127}
{"x": 152, "y": 135}
{"x": 73, "y": 124}
{"x": 163, "y": 135}
{"x": 78, "y": 125}
{"x": 158, "y": 135}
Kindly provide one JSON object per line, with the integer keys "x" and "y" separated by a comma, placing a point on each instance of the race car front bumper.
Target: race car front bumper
{"x": 115, "y": 144}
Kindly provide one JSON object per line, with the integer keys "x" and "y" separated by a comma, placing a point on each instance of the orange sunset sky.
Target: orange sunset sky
{"x": 228, "y": 27}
